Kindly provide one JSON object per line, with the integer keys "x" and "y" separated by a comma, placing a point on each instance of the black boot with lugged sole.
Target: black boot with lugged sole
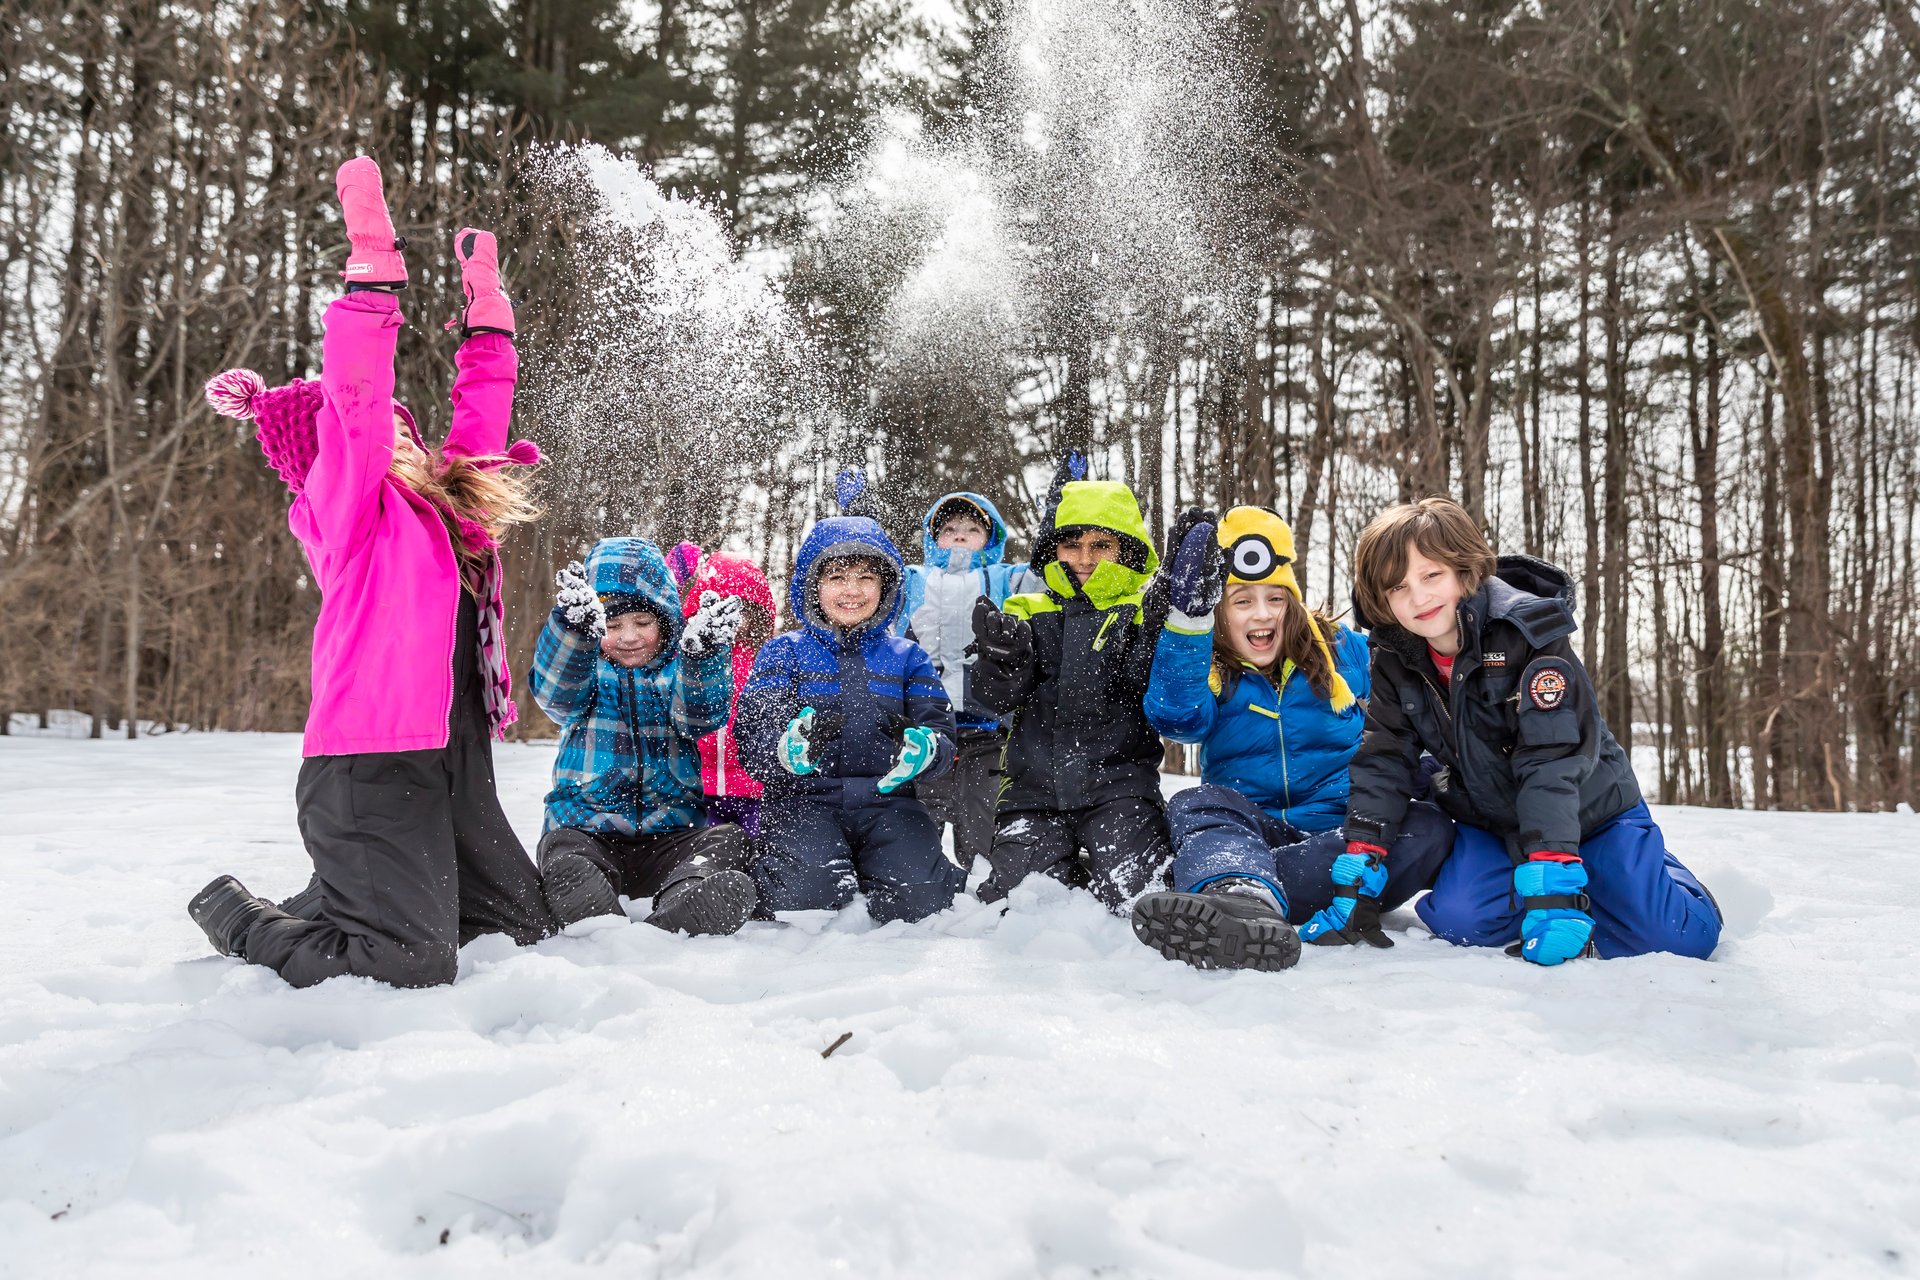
{"x": 1222, "y": 928}
{"x": 715, "y": 904}
{"x": 226, "y": 912}
{"x": 577, "y": 889}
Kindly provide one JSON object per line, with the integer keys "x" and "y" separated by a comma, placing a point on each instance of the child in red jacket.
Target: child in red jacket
{"x": 732, "y": 794}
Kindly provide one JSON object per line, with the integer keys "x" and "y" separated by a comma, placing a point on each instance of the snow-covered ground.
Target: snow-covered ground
{"x": 1023, "y": 1094}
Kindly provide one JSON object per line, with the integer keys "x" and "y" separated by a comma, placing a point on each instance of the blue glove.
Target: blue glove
{"x": 917, "y": 745}
{"x": 804, "y": 732}
{"x": 1556, "y": 927}
{"x": 1073, "y": 466}
{"x": 1198, "y": 575}
{"x": 1359, "y": 877}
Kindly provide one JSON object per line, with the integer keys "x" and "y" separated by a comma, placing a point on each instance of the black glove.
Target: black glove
{"x": 577, "y": 602}
{"x": 1000, "y": 636}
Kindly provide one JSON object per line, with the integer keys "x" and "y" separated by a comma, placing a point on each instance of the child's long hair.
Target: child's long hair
{"x": 1296, "y": 645}
{"x": 494, "y": 497}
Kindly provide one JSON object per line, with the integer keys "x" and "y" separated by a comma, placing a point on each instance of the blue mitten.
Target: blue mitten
{"x": 1556, "y": 927}
{"x": 1198, "y": 575}
{"x": 1073, "y": 466}
{"x": 1359, "y": 877}
{"x": 917, "y": 746}
{"x": 804, "y": 732}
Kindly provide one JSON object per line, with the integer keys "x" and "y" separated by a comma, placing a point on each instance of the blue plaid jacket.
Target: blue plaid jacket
{"x": 628, "y": 762}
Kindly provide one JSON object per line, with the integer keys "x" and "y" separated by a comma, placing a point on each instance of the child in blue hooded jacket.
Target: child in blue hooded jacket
{"x": 963, "y": 549}
{"x": 633, "y": 685}
{"x": 1274, "y": 694}
{"x": 839, "y": 719}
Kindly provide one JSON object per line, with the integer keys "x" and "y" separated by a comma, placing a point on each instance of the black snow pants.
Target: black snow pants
{"x": 642, "y": 866}
{"x": 412, "y": 855}
{"x": 1114, "y": 849}
{"x": 965, "y": 795}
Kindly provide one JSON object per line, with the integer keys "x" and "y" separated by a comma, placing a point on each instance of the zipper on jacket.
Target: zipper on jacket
{"x": 1100, "y": 637}
{"x": 1451, "y": 725}
{"x": 720, "y": 758}
{"x": 453, "y": 652}
{"x": 1286, "y": 770}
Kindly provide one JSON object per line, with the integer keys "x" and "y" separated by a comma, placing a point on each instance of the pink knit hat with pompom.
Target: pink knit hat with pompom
{"x": 683, "y": 562}
{"x": 286, "y": 417}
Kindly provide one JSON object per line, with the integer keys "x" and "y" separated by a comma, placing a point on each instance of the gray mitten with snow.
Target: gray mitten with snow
{"x": 713, "y": 625}
{"x": 578, "y": 603}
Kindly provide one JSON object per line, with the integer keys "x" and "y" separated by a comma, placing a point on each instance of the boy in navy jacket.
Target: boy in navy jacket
{"x": 1556, "y": 853}
{"x": 838, "y": 720}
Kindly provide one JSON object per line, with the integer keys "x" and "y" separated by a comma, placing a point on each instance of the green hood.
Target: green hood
{"x": 1099, "y": 504}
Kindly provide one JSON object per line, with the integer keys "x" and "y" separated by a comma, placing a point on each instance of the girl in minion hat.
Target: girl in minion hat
{"x": 1273, "y": 693}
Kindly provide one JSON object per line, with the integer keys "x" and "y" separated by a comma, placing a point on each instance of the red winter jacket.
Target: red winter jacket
{"x": 729, "y": 575}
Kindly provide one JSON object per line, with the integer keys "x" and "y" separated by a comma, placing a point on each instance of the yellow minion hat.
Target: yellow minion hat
{"x": 1259, "y": 547}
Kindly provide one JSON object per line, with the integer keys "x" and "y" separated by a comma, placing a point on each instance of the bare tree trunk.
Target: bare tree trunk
{"x": 1614, "y": 678}
{"x": 1592, "y": 622}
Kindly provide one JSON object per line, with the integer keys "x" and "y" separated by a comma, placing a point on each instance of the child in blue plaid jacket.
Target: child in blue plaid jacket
{"x": 634, "y": 685}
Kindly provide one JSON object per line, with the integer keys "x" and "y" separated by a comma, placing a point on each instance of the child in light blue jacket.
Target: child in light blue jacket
{"x": 963, "y": 549}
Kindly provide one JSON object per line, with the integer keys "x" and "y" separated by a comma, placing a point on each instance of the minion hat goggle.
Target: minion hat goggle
{"x": 1259, "y": 546}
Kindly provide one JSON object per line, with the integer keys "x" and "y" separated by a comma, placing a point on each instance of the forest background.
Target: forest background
{"x": 1638, "y": 282}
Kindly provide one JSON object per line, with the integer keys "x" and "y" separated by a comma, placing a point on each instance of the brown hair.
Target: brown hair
{"x": 1442, "y": 531}
{"x": 1296, "y": 645}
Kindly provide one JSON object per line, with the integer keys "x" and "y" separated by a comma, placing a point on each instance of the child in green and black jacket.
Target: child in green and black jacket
{"x": 1070, "y": 665}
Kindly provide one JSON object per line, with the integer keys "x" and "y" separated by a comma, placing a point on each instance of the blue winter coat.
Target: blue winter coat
{"x": 629, "y": 760}
{"x": 866, "y": 676}
{"x": 1286, "y": 752}
{"x": 936, "y": 608}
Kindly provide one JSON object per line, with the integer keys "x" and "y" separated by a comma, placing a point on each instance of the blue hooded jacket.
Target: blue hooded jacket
{"x": 629, "y": 760}
{"x": 1286, "y": 751}
{"x": 936, "y": 608}
{"x": 865, "y": 676}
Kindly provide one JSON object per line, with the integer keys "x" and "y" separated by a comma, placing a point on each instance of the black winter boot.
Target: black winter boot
{"x": 577, "y": 889}
{"x": 717, "y": 904}
{"x": 1229, "y": 924}
{"x": 226, "y": 912}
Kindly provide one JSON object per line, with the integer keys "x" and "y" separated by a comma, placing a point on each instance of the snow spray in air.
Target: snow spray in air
{"x": 677, "y": 368}
{"x": 1101, "y": 189}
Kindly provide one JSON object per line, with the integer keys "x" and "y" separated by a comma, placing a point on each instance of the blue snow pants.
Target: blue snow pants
{"x": 1643, "y": 898}
{"x": 814, "y": 856}
{"x": 1218, "y": 832}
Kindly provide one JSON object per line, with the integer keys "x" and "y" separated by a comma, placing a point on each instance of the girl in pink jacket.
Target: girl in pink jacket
{"x": 412, "y": 854}
{"x": 732, "y": 795}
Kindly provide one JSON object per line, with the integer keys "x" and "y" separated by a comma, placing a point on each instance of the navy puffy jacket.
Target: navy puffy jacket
{"x": 864, "y": 676}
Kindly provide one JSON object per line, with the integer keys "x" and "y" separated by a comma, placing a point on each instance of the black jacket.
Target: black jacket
{"x": 1525, "y": 751}
{"x": 1079, "y": 732}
